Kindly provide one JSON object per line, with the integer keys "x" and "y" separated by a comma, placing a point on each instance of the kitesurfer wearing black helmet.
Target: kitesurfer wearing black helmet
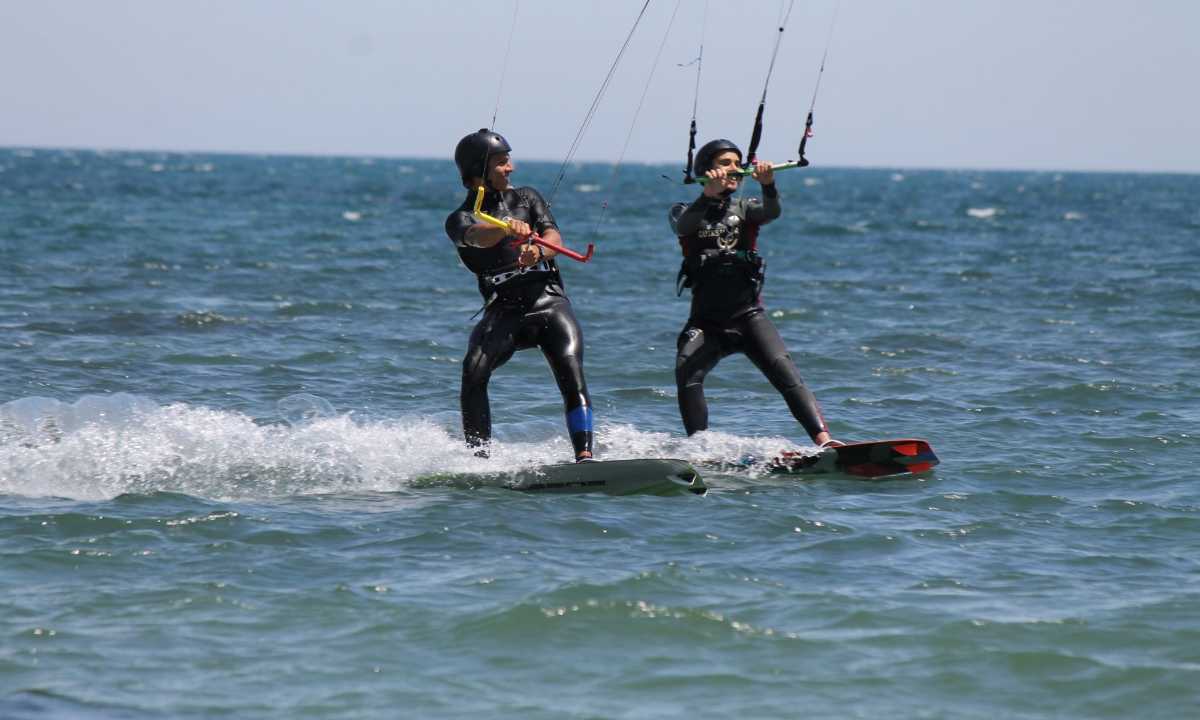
{"x": 719, "y": 235}
{"x": 525, "y": 304}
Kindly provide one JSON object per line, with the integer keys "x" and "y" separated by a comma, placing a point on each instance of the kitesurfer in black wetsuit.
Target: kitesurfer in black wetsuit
{"x": 525, "y": 304}
{"x": 718, "y": 235}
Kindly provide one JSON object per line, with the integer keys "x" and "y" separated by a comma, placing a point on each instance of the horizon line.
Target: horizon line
{"x": 449, "y": 160}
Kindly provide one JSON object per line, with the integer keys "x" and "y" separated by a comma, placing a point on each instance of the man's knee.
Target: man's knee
{"x": 681, "y": 371}
{"x": 475, "y": 369}
{"x": 783, "y": 373}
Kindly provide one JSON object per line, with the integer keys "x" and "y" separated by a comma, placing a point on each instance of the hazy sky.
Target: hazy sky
{"x": 1041, "y": 84}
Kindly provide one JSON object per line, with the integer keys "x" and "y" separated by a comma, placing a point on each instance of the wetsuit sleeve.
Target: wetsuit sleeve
{"x": 540, "y": 216}
{"x": 688, "y": 220}
{"x": 457, "y": 225}
{"x": 765, "y": 210}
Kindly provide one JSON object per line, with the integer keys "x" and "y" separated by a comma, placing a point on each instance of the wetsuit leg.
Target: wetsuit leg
{"x": 492, "y": 343}
{"x": 763, "y": 345}
{"x": 697, "y": 352}
{"x": 561, "y": 341}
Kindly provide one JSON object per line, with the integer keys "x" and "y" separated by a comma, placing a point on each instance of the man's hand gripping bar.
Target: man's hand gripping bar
{"x": 534, "y": 238}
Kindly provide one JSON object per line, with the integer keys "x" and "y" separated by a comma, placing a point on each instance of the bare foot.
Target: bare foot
{"x": 824, "y": 440}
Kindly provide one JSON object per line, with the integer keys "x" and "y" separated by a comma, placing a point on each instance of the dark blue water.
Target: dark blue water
{"x": 223, "y": 379}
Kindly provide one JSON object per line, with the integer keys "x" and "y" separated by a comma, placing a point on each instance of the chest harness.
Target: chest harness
{"x": 721, "y": 252}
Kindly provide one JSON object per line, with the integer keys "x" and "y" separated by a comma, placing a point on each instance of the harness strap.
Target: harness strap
{"x": 499, "y": 278}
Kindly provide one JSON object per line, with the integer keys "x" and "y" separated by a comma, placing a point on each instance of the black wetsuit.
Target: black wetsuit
{"x": 524, "y": 308}
{"x": 721, "y": 265}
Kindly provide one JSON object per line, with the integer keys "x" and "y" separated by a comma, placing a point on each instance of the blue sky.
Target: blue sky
{"x": 1037, "y": 84}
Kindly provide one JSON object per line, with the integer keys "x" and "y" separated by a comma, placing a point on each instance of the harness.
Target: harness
{"x": 721, "y": 251}
{"x": 501, "y": 278}
{"x": 715, "y": 263}
{"x": 496, "y": 268}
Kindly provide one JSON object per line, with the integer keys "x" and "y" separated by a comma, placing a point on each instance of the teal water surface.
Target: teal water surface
{"x": 224, "y": 379}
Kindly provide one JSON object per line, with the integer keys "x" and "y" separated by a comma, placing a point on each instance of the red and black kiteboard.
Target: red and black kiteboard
{"x": 873, "y": 459}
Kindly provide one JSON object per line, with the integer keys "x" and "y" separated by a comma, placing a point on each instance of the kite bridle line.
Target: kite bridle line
{"x": 808, "y": 121}
{"x": 756, "y": 135}
{"x": 687, "y": 169}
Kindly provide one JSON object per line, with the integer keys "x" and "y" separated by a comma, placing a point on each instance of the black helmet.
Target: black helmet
{"x": 709, "y": 152}
{"x": 472, "y": 153}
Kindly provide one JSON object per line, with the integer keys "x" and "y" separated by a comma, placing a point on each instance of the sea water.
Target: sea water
{"x": 225, "y": 380}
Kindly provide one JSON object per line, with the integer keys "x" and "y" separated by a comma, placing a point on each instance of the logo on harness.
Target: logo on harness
{"x": 500, "y": 278}
{"x": 726, "y": 234}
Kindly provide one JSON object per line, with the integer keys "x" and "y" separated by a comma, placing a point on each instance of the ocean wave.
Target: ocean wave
{"x": 100, "y": 447}
{"x": 314, "y": 309}
{"x": 205, "y": 319}
{"x": 859, "y": 228}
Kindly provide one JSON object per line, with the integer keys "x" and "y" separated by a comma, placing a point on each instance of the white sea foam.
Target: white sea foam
{"x": 103, "y": 446}
{"x": 982, "y": 213}
{"x": 587, "y": 188}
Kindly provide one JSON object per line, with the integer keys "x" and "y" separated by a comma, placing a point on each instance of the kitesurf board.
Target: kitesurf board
{"x": 647, "y": 476}
{"x": 873, "y": 459}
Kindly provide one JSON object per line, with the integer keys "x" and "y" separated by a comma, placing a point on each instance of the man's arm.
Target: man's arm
{"x": 465, "y": 232}
{"x": 543, "y": 219}
{"x": 483, "y": 235}
{"x": 770, "y": 208}
{"x": 765, "y": 211}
